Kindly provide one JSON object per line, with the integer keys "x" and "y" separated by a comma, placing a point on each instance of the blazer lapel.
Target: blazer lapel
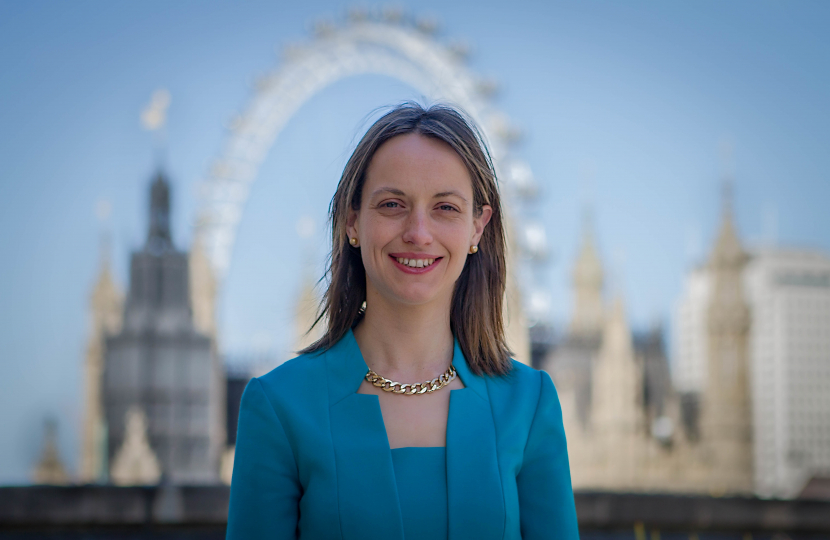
{"x": 367, "y": 492}
{"x": 474, "y": 491}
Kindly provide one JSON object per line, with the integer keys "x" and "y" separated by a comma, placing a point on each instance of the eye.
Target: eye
{"x": 388, "y": 204}
{"x": 448, "y": 207}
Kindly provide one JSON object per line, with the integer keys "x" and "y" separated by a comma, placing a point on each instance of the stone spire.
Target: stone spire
{"x": 588, "y": 312}
{"x": 728, "y": 256}
{"x": 50, "y": 469}
{"x": 162, "y": 363}
{"x": 617, "y": 406}
{"x": 158, "y": 237}
{"x": 617, "y": 378}
{"x": 106, "y": 309}
{"x": 725, "y": 419}
{"x": 135, "y": 463}
{"x": 305, "y": 312}
{"x": 202, "y": 290}
{"x": 307, "y": 302}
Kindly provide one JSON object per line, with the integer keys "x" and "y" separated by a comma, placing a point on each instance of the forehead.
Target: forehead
{"x": 414, "y": 163}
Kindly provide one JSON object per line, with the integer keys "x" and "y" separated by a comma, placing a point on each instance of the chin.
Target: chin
{"x": 409, "y": 292}
{"x": 414, "y": 299}
{"x": 417, "y": 296}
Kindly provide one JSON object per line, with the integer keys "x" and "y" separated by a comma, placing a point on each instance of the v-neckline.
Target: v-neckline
{"x": 366, "y": 484}
{"x": 457, "y": 356}
{"x": 347, "y": 370}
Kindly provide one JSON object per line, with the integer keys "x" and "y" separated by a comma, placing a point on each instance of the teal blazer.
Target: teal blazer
{"x": 313, "y": 460}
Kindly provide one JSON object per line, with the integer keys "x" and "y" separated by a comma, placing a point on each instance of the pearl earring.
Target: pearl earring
{"x": 473, "y": 249}
{"x": 353, "y": 241}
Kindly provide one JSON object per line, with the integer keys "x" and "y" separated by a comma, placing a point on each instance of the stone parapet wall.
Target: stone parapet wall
{"x": 193, "y": 512}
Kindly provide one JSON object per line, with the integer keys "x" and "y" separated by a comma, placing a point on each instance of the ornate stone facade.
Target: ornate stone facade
{"x": 135, "y": 463}
{"x": 627, "y": 427}
{"x": 105, "y": 319}
{"x": 725, "y": 422}
{"x": 161, "y": 363}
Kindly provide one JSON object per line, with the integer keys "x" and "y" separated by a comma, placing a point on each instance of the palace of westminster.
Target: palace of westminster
{"x": 745, "y": 407}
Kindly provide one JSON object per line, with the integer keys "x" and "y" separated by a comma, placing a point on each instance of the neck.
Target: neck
{"x": 407, "y": 342}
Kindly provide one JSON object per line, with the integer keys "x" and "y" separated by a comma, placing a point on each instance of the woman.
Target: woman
{"x": 471, "y": 445}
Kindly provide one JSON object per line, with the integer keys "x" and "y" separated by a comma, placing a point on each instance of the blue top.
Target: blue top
{"x": 313, "y": 460}
{"x": 421, "y": 477}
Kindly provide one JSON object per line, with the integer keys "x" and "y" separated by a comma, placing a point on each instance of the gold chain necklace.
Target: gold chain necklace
{"x": 426, "y": 387}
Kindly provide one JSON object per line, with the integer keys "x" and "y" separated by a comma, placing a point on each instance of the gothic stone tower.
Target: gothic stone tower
{"x": 725, "y": 420}
{"x": 106, "y": 311}
{"x": 618, "y": 434}
{"x": 162, "y": 364}
{"x": 588, "y": 308}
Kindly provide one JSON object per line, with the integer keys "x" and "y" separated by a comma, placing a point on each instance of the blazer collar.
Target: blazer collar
{"x": 346, "y": 368}
{"x": 345, "y": 363}
{"x": 475, "y": 495}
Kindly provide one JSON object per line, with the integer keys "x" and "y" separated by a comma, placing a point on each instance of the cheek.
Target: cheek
{"x": 375, "y": 236}
{"x": 458, "y": 245}
{"x": 458, "y": 236}
{"x": 370, "y": 241}
{"x": 377, "y": 230}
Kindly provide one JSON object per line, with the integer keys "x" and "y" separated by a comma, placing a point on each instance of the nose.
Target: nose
{"x": 417, "y": 230}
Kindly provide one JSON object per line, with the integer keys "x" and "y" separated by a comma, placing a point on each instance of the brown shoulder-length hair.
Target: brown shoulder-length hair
{"x": 477, "y": 303}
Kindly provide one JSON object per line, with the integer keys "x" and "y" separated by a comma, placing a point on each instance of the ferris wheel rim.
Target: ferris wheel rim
{"x": 360, "y": 48}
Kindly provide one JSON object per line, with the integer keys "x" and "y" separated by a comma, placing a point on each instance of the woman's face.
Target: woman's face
{"x": 415, "y": 225}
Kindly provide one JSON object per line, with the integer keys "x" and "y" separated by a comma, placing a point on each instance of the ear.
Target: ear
{"x": 351, "y": 224}
{"x": 479, "y": 222}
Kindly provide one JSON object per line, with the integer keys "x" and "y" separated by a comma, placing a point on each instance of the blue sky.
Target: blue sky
{"x": 625, "y": 104}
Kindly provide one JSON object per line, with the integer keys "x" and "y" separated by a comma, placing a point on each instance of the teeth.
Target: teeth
{"x": 415, "y": 263}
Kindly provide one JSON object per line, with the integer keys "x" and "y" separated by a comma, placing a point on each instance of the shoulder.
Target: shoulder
{"x": 520, "y": 393}
{"x": 522, "y": 382}
{"x": 298, "y": 368}
{"x": 294, "y": 382}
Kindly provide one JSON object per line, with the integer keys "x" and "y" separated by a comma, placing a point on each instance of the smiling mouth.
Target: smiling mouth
{"x": 416, "y": 263}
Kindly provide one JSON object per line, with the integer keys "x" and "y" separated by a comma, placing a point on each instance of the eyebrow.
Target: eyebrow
{"x": 395, "y": 191}
{"x": 448, "y": 193}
